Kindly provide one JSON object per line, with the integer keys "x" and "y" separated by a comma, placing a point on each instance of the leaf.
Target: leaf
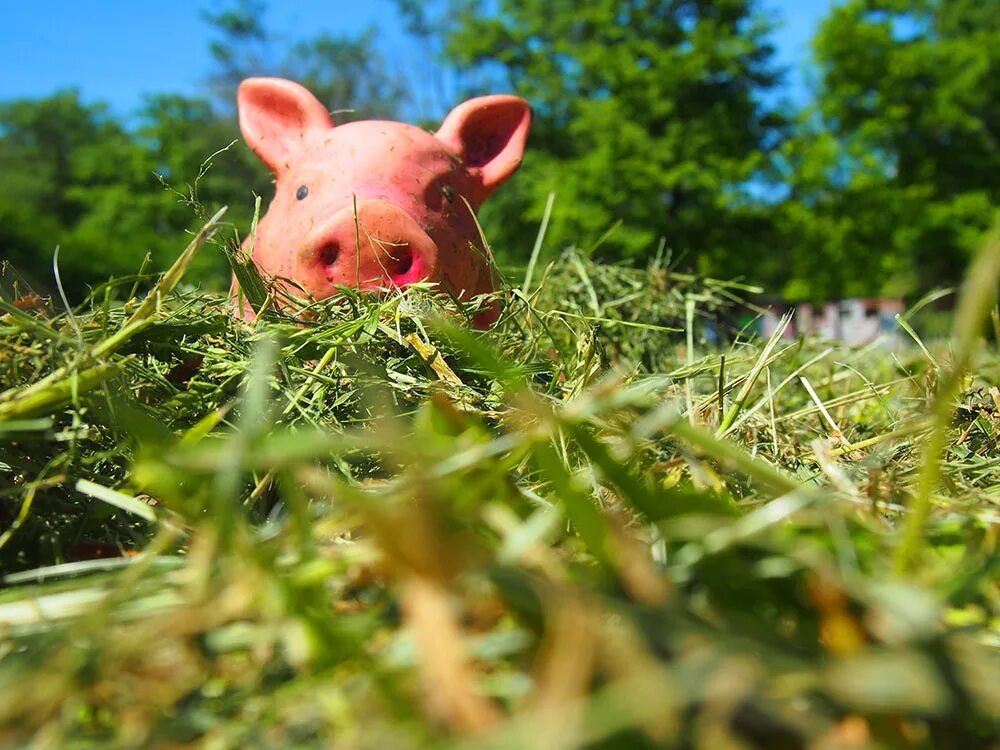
{"x": 117, "y": 499}
{"x": 888, "y": 682}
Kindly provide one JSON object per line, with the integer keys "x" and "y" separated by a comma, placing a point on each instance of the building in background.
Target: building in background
{"x": 854, "y": 321}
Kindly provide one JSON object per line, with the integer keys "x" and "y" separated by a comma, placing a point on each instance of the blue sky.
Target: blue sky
{"x": 115, "y": 50}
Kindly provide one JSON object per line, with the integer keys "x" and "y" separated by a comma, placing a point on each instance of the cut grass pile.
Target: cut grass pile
{"x": 371, "y": 526}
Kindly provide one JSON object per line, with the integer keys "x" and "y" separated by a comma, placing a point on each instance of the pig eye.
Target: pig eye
{"x": 449, "y": 194}
{"x": 302, "y": 192}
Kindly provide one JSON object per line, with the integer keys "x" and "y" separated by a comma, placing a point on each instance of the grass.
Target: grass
{"x": 370, "y": 526}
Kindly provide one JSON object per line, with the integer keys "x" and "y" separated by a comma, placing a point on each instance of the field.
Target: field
{"x": 372, "y": 526}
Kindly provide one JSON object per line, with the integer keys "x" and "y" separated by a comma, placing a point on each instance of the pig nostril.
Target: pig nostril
{"x": 399, "y": 260}
{"x": 328, "y": 254}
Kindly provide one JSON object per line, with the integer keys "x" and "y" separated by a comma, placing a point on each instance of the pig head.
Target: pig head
{"x": 376, "y": 204}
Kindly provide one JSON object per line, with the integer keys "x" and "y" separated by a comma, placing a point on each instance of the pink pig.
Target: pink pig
{"x": 375, "y": 204}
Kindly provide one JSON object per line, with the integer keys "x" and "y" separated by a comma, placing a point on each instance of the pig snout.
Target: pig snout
{"x": 373, "y": 245}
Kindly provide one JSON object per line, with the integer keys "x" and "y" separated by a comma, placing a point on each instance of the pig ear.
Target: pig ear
{"x": 488, "y": 134}
{"x": 275, "y": 115}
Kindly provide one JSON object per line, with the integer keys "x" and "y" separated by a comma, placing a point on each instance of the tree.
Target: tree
{"x": 647, "y": 112}
{"x": 242, "y": 49}
{"x": 346, "y": 73}
{"x": 76, "y": 178}
{"x": 53, "y": 153}
{"x": 893, "y": 173}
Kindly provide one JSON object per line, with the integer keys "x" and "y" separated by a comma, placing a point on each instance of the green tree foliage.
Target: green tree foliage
{"x": 647, "y": 112}
{"x": 39, "y": 147}
{"x": 241, "y": 47}
{"x": 893, "y": 171}
{"x": 75, "y": 177}
{"x": 347, "y": 74}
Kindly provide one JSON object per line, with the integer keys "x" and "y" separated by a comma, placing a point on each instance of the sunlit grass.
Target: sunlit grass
{"x": 371, "y": 526}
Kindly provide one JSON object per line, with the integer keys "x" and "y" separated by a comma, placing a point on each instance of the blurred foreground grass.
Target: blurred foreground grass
{"x": 372, "y": 527}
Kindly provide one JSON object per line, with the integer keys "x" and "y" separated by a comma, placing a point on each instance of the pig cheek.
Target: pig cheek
{"x": 452, "y": 228}
{"x": 265, "y": 252}
{"x": 279, "y": 251}
{"x": 462, "y": 267}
